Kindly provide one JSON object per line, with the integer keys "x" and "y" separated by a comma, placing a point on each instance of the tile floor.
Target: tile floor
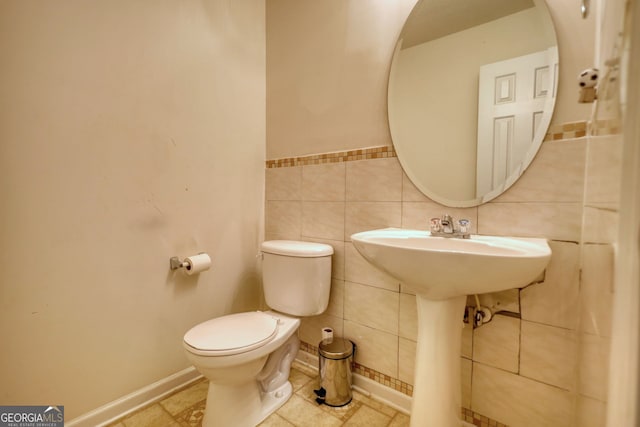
{"x": 186, "y": 408}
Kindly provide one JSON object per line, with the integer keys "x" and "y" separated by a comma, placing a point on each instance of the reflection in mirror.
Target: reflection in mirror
{"x": 471, "y": 94}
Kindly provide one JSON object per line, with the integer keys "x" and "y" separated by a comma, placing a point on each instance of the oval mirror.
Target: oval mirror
{"x": 471, "y": 92}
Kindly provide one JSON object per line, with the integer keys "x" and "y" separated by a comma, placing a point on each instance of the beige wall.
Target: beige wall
{"x": 129, "y": 132}
{"x": 327, "y": 71}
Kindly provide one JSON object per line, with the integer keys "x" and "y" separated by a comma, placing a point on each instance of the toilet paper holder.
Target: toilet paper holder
{"x": 175, "y": 263}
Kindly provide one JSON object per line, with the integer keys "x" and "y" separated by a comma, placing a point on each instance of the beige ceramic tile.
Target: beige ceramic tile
{"x": 298, "y": 378}
{"x": 508, "y": 300}
{"x": 555, "y": 175}
{"x": 325, "y": 182}
{"x": 466, "y": 349}
{"x": 601, "y": 223}
{"x": 465, "y": 379}
{"x": 406, "y": 360}
{"x": 375, "y": 307}
{"x": 363, "y": 216}
{"x": 406, "y": 290}
{"x": 374, "y": 180}
{"x": 307, "y": 369}
{"x": 310, "y": 330}
{"x": 408, "y": 327}
{"x": 336, "y": 299}
{"x": 596, "y": 289}
{"x": 300, "y": 412}
{"x": 410, "y": 192}
{"x": 555, "y": 302}
{"x": 359, "y": 270}
{"x": 323, "y": 220}
{"x": 283, "y": 183}
{"x": 284, "y": 219}
{"x": 374, "y": 404}
{"x": 416, "y": 215}
{"x": 593, "y": 369}
{"x": 604, "y": 169}
{"x": 275, "y": 420}
{"x": 366, "y": 416}
{"x": 518, "y": 401}
{"x": 400, "y": 420}
{"x": 559, "y": 221}
{"x": 338, "y": 260}
{"x": 548, "y": 354}
{"x": 153, "y": 416}
{"x": 590, "y": 412}
{"x": 497, "y": 343}
{"x": 377, "y": 349}
{"x": 186, "y": 398}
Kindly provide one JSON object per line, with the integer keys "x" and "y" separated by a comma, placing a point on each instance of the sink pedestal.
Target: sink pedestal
{"x": 436, "y": 391}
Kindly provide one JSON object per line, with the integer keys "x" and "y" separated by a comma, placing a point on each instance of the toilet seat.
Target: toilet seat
{"x": 232, "y": 334}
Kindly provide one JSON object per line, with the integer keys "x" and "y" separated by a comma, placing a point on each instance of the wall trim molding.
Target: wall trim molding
{"x": 132, "y": 402}
{"x": 379, "y": 152}
{"x": 569, "y": 130}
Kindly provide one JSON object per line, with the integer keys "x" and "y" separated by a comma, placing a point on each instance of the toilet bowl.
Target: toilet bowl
{"x": 247, "y": 356}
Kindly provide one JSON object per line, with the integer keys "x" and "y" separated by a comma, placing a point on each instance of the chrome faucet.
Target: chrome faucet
{"x": 445, "y": 227}
{"x": 447, "y": 224}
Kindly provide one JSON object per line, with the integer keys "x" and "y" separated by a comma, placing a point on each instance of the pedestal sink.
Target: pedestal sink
{"x": 442, "y": 272}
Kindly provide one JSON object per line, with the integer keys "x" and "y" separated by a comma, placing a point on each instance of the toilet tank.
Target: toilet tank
{"x": 296, "y": 276}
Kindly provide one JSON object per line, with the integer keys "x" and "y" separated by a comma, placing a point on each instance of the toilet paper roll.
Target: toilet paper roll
{"x": 327, "y": 334}
{"x": 197, "y": 263}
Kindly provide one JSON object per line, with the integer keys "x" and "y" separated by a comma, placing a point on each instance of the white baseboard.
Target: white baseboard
{"x": 157, "y": 391}
{"x": 132, "y": 402}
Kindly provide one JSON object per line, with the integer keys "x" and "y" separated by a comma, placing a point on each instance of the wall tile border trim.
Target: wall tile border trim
{"x": 566, "y": 131}
{"x": 335, "y": 157}
{"x": 556, "y": 132}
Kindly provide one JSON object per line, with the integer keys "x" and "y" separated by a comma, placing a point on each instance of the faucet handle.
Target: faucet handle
{"x": 464, "y": 225}
{"x": 435, "y": 225}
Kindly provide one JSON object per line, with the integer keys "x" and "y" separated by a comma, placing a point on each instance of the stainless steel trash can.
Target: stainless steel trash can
{"x": 335, "y": 360}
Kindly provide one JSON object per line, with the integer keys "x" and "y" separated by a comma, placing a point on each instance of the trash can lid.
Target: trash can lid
{"x": 336, "y": 348}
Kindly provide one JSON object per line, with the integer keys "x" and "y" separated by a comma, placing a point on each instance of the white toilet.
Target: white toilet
{"x": 247, "y": 356}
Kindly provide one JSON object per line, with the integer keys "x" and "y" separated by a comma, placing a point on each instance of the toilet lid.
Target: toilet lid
{"x": 233, "y": 334}
{"x": 296, "y": 249}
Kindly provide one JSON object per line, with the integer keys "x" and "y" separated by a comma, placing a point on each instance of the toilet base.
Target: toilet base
{"x": 273, "y": 400}
{"x": 247, "y": 403}
{"x": 242, "y": 406}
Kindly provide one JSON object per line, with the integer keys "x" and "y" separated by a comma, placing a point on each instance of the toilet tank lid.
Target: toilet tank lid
{"x": 296, "y": 248}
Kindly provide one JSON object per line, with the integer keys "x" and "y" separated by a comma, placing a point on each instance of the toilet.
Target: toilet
{"x": 247, "y": 356}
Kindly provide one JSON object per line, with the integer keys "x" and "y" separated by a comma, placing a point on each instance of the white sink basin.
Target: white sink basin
{"x": 441, "y": 268}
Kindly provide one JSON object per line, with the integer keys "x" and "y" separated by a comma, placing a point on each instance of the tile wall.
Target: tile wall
{"x": 543, "y": 361}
